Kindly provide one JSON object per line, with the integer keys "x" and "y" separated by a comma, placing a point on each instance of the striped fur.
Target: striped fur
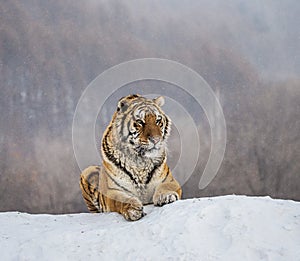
{"x": 134, "y": 171}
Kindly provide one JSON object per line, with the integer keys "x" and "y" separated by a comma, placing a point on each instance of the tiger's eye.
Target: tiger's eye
{"x": 158, "y": 120}
{"x": 139, "y": 122}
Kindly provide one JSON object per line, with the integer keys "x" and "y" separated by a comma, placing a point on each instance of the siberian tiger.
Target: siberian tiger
{"x": 134, "y": 171}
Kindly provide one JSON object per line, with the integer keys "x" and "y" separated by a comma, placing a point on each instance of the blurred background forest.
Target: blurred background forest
{"x": 248, "y": 52}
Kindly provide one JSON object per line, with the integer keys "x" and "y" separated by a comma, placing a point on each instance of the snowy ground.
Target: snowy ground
{"x": 222, "y": 228}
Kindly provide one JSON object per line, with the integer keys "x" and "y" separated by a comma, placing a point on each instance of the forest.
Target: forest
{"x": 247, "y": 51}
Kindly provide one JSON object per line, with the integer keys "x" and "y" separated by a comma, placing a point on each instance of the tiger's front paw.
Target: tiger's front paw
{"x": 165, "y": 198}
{"x": 133, "y": 210}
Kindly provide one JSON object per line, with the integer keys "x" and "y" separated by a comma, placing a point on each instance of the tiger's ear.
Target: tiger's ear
{"x": 122, "y": 104}
{"x": 160, "y": 101}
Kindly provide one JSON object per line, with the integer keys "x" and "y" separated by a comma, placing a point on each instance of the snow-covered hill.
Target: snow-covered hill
{"x": 222, "y": 228}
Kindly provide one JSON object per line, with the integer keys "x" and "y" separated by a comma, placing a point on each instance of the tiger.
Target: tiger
{"x": 134, "y": 170}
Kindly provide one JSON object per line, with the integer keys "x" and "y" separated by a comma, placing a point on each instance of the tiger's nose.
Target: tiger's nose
{"x": 154, "y": 139}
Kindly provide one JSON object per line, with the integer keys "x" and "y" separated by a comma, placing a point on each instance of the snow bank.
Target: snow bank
{"x": 222, "y": 228}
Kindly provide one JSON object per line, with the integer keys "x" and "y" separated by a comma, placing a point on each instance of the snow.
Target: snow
{"x": 220, "y": 228}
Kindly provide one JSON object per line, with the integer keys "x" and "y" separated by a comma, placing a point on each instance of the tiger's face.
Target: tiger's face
{"x": 144, "y": 127}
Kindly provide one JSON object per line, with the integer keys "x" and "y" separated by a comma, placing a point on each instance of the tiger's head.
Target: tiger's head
{"x": 142, "y": 125}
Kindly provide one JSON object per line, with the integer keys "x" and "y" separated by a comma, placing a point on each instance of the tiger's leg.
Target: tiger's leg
{"x": 89, "y": 184}
{"x": 168, "y": 191}
{"x": 129, "y": 207}
{"x": 115, "y": 198}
